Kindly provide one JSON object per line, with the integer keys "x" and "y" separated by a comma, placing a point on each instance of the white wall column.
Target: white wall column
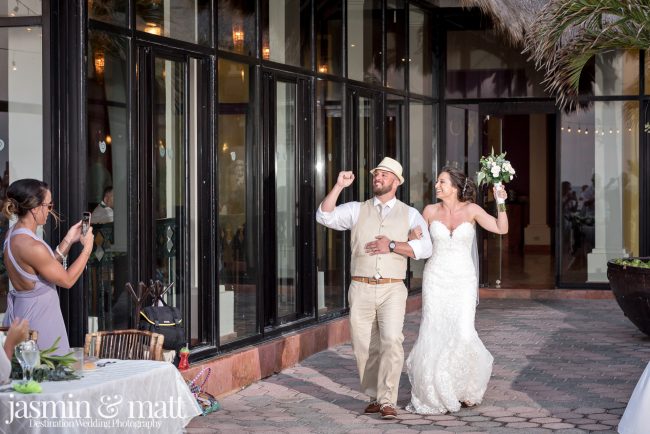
{"x": 608, "y": 191}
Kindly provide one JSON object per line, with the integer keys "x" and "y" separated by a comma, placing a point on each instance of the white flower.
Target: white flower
{"x": 495, "y": 170}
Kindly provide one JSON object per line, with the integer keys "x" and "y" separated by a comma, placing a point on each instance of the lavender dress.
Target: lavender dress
{"x": 40, "y": 305}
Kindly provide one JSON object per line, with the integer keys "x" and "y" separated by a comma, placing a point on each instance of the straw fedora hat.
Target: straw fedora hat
{"x": 392, "y": 166}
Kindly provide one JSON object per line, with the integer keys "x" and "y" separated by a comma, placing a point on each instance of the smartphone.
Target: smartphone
{"x": 85, "y": 223}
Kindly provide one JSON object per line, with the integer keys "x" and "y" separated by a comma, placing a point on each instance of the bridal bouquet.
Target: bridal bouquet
{"x": 495, "y": 170}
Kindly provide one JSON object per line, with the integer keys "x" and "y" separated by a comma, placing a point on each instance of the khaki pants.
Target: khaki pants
{"x": 376, "y": 322}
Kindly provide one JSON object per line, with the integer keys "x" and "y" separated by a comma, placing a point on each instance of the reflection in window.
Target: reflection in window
{"x": 236, "y": 244}
{"x": 286, "y": 26}
{"x": 394, "y": 125}
{"x": 329, "y": 37}
{"x": 480, "y": 65}
{"x": 21, "y": 8}
{"x": 462, "y": 144}
{"x": 21, "y": 118}
{"x": 364, "y": 41}
{"x": 599, "y": 178}
{"x": 109, "y": 11}
{"x": 422, "y": 168}
{"x": 236, "y": 26}
{"x": 395, "y": 43}
{"x": 186, "y": 20}
{"x": 616, "y": 73}
{"x": 420, "y": 52}
{"x": 109, "y": 305}
{"x": 330, "y": 244}
{"x": 285, "y": 196}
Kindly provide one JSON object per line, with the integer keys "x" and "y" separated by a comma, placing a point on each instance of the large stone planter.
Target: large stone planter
{"x": 631, "y": 287}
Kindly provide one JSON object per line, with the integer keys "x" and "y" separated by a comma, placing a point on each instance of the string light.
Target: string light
{"x": 597, "y": 131}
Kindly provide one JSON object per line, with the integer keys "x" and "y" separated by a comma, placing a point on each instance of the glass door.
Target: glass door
{"x": 169, "y": 150}
{"x": 288, "y": 169}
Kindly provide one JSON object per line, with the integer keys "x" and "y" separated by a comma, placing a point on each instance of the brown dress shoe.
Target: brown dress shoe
{"x": 373, "y": 407}
{"x": 388, "y": 411}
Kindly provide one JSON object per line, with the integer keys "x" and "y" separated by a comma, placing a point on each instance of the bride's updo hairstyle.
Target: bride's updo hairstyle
{"x": 463, "y": 183}
{"x": 23, "y": 196}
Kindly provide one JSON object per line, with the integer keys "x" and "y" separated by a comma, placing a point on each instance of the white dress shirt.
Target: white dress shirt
{"x": 346, "y": 215}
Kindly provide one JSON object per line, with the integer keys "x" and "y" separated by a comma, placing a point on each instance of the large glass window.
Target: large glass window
{"x": 21, "y": 8}
{"x": 236, "y": 26}
{"x": 395, "y": 43}
{"x": 107, "y": 195}
{"x": 364, "y": 41}
{"x": 479, "y": 65}
{"x": 422, "y": 167}
{"x": 186, "y": 20}
{"x": 109, "y": 11}
{"x": 599, "y": 178}
{"x": 329, "y": 154}
{"x": 286, "y": 28}
{"x": 236, "y": 243}
{"x": 21, "y": 118}
{"x": 285, "y": 195}
{"x": 329, "y": 37}
{"x": 420, "y": 52}
{"x": 612, "y": 73}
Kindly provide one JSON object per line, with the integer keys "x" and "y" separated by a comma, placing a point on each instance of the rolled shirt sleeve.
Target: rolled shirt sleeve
{"x": 342, "y": 218}
{"x": 422, "y": 248}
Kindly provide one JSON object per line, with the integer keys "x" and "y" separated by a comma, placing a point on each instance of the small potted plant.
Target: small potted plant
{"x": 629, "y": 279}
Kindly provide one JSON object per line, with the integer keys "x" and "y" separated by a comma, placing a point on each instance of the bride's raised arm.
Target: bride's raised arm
{"x": 498, "y": 225}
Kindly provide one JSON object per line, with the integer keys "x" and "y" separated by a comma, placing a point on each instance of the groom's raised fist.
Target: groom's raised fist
{"x": 345, "y": 179}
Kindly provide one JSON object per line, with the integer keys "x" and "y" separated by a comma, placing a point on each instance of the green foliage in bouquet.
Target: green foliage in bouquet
{"x": 495, "y": 168}
{"x": 636, "y": 262}
{"x": 52, "y": 368}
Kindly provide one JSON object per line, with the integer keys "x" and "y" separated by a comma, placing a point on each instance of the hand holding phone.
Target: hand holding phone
{"x": 85, "y": 223}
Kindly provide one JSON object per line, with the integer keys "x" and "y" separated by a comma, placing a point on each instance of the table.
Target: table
{"x": 125, "y": 396}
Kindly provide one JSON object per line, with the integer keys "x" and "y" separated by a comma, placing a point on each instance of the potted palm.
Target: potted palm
{"x": 566, "y": 35}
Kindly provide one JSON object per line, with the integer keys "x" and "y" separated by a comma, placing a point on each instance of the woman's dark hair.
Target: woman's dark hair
{"x": 463, "y": 183}
{"x": 24, "y": 195}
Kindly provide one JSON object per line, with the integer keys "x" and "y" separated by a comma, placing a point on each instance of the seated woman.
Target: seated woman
{"x": 17, "y": 333}
{"x": 34, "y": 269}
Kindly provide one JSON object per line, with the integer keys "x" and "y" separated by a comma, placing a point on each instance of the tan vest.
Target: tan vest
{"x": 395, "y": 226}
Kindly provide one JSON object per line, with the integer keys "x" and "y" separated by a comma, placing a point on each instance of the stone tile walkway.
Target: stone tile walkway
{"x": 564, "y": 366}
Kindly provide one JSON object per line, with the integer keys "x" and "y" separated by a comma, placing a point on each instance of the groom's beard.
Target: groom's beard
{"x": 378, "y": 190}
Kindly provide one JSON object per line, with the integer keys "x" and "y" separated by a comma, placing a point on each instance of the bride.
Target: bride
{"x": 449, "y": 366}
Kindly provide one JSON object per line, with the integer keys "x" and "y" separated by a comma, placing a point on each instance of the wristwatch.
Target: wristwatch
{"x": 391, "y": 246}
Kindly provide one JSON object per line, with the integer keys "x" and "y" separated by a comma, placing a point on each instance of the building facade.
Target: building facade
{"x": 218, "y": 126}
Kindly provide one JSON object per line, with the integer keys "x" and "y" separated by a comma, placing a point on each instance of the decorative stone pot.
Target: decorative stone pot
{"x": 631, "y": 287}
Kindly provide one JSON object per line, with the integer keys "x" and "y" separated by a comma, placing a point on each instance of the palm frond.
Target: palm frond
{"x": 568, "y": 33}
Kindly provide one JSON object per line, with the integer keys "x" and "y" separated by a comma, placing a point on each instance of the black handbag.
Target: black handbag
{"x": 167, "y": 321}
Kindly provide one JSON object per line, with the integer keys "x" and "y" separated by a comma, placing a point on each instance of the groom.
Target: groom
{"x": 377, "y": 294}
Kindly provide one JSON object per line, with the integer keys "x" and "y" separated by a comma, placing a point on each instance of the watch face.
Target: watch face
{"x": 391, "y": 245}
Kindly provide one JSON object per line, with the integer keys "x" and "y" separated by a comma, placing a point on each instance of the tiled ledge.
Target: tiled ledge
{"x": 548, "y": 294}
{"x": 234, "y": 371}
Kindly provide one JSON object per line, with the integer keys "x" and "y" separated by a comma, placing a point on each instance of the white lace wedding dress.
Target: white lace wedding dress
{"x": 448, "y": 363}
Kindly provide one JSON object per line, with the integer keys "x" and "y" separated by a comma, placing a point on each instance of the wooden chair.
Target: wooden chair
{"x": 124, "y": 345}
{"x": 33, "y": 334}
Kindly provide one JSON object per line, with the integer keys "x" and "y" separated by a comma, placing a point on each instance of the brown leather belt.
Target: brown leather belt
{"x": 373, "y": 281}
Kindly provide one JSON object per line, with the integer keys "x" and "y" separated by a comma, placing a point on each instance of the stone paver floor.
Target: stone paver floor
{"x": 564, "y": 366}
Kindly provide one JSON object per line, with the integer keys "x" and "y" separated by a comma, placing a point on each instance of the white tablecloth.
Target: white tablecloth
{"x": 125, "y": 396}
